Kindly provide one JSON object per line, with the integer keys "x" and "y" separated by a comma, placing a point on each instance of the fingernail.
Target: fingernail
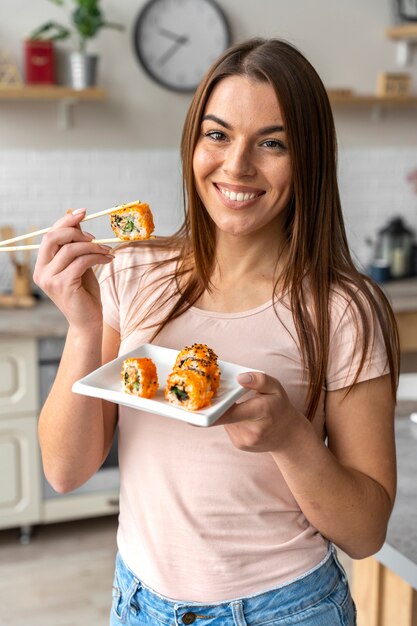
{"x": 245, "y": 378}
{"x": 105, "y": 248}
{"x": 89, "y": 235}
{"x": 78, "y": 211}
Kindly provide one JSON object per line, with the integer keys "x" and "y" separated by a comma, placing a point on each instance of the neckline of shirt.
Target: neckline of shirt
{"x": 217, "y": 314}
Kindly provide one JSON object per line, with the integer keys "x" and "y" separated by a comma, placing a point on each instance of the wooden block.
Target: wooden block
{"x": 12, "y": 301}
{"x": 394, "y": 84}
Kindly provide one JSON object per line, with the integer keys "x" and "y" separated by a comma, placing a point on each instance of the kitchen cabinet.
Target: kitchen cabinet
{"x": 384, "y": 586}
{"x": 19, "y": 454}
{"x": 31, "y": 342}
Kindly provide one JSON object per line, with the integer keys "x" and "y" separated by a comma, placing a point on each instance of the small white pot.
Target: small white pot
{"x": 82, "y": 70}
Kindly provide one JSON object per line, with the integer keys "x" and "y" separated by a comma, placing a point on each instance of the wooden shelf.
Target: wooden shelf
{"x": 64, "y": 96}
{"x": 50, "y": 92}
{"x": 365, "y": 100}
{"x": 404, "y": 32}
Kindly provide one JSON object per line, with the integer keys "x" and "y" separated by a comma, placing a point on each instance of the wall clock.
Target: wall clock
{"x": 177, "y": 40}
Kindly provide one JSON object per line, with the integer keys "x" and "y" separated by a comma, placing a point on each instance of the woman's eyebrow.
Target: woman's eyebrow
{"x": 216, "y": 119}
{"x": 278, "y": 128}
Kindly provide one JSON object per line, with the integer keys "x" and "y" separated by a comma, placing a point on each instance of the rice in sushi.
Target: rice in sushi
{"x": 133, "y": 222}
{"x": 139, "y": 377}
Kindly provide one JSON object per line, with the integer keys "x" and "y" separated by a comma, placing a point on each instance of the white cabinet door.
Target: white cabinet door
{"x": 18, "y": 377}
{"x": 19, "y": 472}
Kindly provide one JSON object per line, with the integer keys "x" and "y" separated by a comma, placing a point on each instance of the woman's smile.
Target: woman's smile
{"x": 235, "y": 196}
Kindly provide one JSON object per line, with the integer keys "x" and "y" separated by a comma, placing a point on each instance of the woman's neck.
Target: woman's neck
{"x": 244, "y": 275}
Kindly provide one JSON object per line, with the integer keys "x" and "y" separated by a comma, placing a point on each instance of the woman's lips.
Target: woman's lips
{"x": 238, "y": 195}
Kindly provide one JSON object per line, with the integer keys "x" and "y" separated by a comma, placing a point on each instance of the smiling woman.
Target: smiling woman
{"x": 261, "y": 272}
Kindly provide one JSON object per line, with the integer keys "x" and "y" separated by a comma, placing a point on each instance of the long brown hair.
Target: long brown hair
{"x": 317, "y": 248}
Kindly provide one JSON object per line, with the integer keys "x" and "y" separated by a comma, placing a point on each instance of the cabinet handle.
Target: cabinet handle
{"x": 113, "y": 502}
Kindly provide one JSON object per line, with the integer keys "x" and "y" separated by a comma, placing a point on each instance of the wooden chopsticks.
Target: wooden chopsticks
{"x": 9, "y": 248}
{"x": 37, "y": 246}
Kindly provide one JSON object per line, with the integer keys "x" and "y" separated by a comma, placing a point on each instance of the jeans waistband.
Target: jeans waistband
{"x": 286, "y": 599}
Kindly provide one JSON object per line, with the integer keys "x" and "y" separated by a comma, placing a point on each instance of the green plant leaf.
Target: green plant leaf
{"x": 51, "y": 31}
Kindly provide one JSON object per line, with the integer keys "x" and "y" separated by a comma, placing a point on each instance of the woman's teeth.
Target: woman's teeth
{"x": 238, "y": 197}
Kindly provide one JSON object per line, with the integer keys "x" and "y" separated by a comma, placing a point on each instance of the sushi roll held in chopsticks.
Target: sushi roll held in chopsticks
{"x": 132, "y": 222}
{"x": 188, "y": 389}
{"x": 139, "y": 377}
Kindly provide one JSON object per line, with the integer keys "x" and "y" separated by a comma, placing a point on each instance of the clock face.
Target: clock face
{"x": 176, "y": 41}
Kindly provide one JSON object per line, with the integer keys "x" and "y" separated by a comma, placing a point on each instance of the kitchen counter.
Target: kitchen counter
{"x": 42, "y": 320}
{"x": 399, "y": 552}
{"x": 402, "y": 294}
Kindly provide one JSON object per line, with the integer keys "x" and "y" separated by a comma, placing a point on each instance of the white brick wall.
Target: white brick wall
{"x": 36, "y": 187}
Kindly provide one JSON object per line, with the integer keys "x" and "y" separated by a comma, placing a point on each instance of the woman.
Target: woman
{"x": 237, "y": 523}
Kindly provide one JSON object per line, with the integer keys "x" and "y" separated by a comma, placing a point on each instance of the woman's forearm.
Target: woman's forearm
{"x": 346, "y": 506}
{"x": 71, "y": 426}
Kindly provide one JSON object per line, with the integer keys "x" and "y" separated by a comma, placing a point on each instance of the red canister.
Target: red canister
{"x": 39, "y": 62}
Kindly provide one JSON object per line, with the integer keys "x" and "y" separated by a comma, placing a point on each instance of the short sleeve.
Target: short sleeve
{"x": 346, "y": 345}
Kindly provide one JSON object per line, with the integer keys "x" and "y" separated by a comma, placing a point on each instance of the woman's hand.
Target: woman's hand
{"x": 63, "y": 270}
{"x": 264, "y": 422}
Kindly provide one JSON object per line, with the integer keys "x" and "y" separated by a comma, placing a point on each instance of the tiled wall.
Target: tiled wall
{"x": 36, "y": 187}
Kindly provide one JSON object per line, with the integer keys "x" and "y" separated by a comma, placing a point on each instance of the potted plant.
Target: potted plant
{"x": 87, "y": 20}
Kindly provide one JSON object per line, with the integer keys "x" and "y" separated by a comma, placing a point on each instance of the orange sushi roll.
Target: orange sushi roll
{"x": 197, "y": 350}
{"x": 188, "y": 389}
{"x": 133, "y": 222}
{"x": 201, "y": 358}
{"x": 209, "y": 368}
{"x": 139, "y": 377}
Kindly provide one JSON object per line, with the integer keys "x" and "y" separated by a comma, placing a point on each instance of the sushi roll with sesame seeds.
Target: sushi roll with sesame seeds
{"x": 132, "y": 222}
{"x": 139, "y": 377}
{"x": 201, "y": 358}
{"x": 209, "y": 368}
{"x": 197, "y": 350}
{"x": 188, "y": 389}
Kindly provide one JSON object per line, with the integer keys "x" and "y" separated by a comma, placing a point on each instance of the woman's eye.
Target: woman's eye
{"x": 215, "y": 135}
{"x": 275, "y": 144}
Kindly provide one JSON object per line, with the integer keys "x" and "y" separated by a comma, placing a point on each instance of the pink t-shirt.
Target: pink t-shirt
{"x": 199, "y": 519}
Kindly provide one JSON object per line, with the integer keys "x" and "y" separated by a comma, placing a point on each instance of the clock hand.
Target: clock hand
{"x": 169, "y": 34}
{"x": 172, "y": 49}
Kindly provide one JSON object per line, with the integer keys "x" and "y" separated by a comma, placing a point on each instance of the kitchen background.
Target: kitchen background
{"x": 126, "y": 146}
{"x": 96, "y": 154}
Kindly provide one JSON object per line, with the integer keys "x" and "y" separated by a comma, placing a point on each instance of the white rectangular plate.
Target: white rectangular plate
{"x": 105, "y": 383}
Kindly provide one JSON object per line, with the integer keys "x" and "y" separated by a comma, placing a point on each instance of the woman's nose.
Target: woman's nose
{"x": 239, "y": 161}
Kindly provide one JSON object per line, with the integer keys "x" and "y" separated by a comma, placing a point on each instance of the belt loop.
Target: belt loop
{"x": 238, "y": 615}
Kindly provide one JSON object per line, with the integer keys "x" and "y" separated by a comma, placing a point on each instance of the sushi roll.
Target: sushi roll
{"x": 201, "y": 358}
{"x": 132, "y": 222}
{"x": 210, "y": 369}
{"x": 188, "y": 389}
{"x": 139, "y": 377}
{"x": 197, "y": 350}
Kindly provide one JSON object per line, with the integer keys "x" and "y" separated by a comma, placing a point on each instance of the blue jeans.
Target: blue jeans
{"x": 321, "y": 597}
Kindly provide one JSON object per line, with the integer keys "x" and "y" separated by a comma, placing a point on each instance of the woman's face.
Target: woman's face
{"x": 241, "y": 161}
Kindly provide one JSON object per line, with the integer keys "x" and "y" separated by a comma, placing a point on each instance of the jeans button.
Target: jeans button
{"x": 189, "y": 618}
